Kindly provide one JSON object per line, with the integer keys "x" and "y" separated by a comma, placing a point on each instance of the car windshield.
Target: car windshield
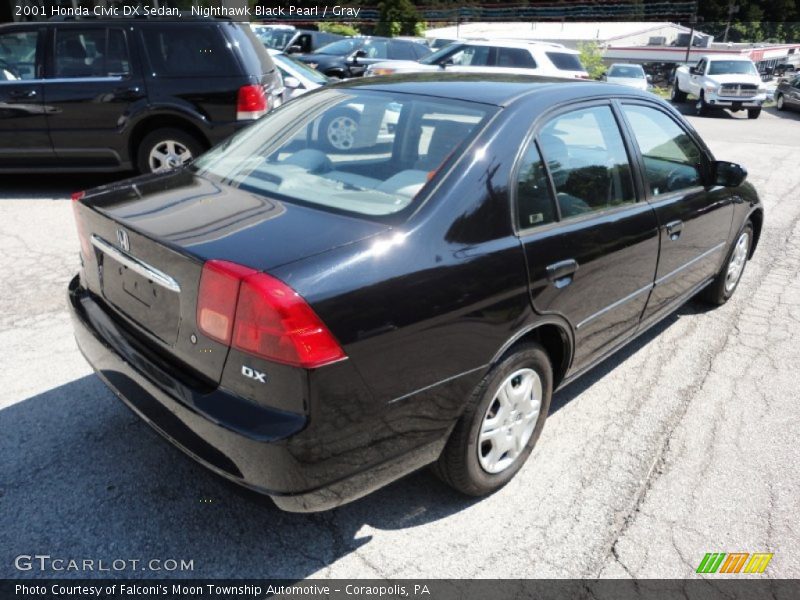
{"x": 276, "y": 38}
{"x": 626, "y": 71}
{"x": 306, "y": 71}
{"x": 733, "y": 67}
{"x": 565, "y": 61}
{"x": 341, "y": 47}
{"x": 351, "y": 150}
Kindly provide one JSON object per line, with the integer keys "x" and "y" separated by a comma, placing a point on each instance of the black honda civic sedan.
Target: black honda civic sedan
{"x": 316, "y": 324}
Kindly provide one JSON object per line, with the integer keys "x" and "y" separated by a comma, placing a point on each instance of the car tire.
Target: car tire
{"x": 701, "y": 108}
{"x": 163, "y": 150}
{"x": 677, "y": 95}
{"x": 753, "y": 113}
{"x": 337, "y": 132}
{"x": 477, "y": 467}
{"x": 780, "y": 103}
{"x": 727, "y": 280}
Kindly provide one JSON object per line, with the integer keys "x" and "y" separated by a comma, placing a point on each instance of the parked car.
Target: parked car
{"x": 315, "y": 325}
{"x": 787, "y": 94}
{"x": 294, "y": 41}
{"x": 298, "y": 77}
{"x": 783, "y": 68}
{"x": 500, "y": 56}
{"x": 350, "y": 57}
{"x": 721, "y": 81}
{"x": 143, "y": 94}
{"x": 631, "y": 75}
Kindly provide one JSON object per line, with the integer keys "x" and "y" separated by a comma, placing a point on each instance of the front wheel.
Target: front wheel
{"x": 753, "y": 113}
{"x": 727, "y": 280}
{"x": 701, "y": 107}
{"x": 779, "y": 102}
{"x": 166, "y": 149}
{"x": 501, "y": 424}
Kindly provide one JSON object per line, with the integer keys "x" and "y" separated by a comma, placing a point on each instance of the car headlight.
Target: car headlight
{"x": 711, "y": 87}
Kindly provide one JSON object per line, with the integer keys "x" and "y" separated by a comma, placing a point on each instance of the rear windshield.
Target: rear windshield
{"x": 356, "y": 151}
{"x": 565, "y": 61}
{"x": 179, "y": 51}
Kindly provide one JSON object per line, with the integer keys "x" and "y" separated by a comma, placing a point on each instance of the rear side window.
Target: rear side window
{"x": 587, "y": 160}
{"x": 254, "y": 55}
{"x": 515, "y": 57}
{"x": 565, "y": 61}
{"x": 535, "y": 206}
{"x": 672, "y": 160}
{"x": 90, "y": 53}
{"x": 18, "y": 55}
{"x": 188, "y": 52}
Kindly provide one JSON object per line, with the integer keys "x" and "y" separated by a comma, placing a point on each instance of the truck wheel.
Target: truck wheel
{"x": 166, "y": 149}
{"x": 677, "y": 94}
{"x": 753, "y": 113}
{"x": 503, "y": 419}
{"x": 701, "y": 107}
{"x": 780, "y": 103}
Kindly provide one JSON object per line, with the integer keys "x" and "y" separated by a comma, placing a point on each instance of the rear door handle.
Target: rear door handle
{"x": 674, "y": 229}
{"x": 561, "y": 273}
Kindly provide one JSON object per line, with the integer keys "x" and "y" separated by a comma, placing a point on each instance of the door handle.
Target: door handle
{"x": 23, "y": 95}
{"x": 674, "y": 229}
{"x": 560, "y": 273}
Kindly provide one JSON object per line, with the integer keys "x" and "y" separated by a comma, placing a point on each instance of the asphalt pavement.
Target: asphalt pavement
{"x": 683, "y": 443}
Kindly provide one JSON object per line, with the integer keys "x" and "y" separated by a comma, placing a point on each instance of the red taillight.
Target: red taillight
{"x": 86, "y": 248}
{"x": 258, "y": 314}
{"x": 251, "y": 102}
{"x": 216, "y": 301}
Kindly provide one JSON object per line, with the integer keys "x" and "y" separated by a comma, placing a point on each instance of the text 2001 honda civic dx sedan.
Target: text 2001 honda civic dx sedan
{"x": 317, "y": 324}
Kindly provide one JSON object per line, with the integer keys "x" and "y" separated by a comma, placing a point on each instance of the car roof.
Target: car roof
{"x": 489, "y": 88}
{"x": 726, "y": 57}
{"x": 515, "y": 43}
{"x": 625, "y": 65}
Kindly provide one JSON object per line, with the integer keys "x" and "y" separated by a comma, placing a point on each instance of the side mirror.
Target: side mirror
{"x": 728, "y": 174}
{"x": 359, "y": 54}
{"x": 649, "y": 78}
{"x": 292, "y": 83}
{"x": 294, "y": 49}
{"x": 693, "y": 70}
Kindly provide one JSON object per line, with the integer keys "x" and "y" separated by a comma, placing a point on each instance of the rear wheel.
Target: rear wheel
{"x": 501, "y": 424}
{"x": 753, "y": 113}
{"x": 779, "y": 102}
{"x": 701, "y": 107}
{"x": 338, "y": 131}
{"x": 166, "y": 149}
{"x": 677, "y": 94}
{"x": 727, "y": 280}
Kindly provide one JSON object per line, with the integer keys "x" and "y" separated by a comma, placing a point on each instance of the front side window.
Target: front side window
{"x": 18, "y": 55}
{"x": 471, "y": 56}
{"x": 672, "y": 160}
{"x": 341, "y": 48}
{"x": 351, "y": 150}
{"x": 535, "y": 206}
{"x": 587, "y": 160}
{"x": 90, "y": 53}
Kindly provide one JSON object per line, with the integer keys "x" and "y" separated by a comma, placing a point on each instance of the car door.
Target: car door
{"x": 696, "y": 77}
{"x": 792, "y": 94}
{"x": 91, "y": 86}
{"x": 23, "y": 126}
{"x": 694, "y": 219}
{"x": 591, "y": 245}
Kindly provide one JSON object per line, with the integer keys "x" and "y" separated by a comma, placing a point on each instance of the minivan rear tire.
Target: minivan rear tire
{"x": 167, "y": 137}
{"x": 461, "y": 464}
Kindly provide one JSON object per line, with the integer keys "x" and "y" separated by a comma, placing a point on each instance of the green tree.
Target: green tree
{"x": 337, "y": 28}
{"x": 397, "y": 17}
{"x": 592, "y": 59}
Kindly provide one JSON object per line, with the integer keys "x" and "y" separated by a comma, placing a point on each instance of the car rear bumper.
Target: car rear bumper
{"x": 248, "y": 444}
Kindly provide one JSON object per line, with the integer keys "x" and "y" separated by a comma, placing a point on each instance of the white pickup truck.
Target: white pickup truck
{"x": 721, "y": 81}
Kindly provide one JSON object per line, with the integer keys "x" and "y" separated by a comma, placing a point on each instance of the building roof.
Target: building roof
{"x": 605, "y": 31}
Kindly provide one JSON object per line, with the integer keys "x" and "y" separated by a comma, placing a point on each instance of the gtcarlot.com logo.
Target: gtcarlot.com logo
{"x": 47, "y": 563}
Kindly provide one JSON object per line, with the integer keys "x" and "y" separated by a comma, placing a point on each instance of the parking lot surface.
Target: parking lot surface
{"x": 685, "y": 442}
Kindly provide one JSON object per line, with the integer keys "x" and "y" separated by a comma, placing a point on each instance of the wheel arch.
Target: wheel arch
{"x": 554, "y": 336}
{"x": 757, "y": 219}
{"x": 160, "y": 121}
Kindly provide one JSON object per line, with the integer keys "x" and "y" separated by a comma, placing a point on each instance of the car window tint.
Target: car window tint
{"x": 90, "y": 53}
{"x": 376, "y": 49}
{"x": 471, "y": 56}
{"x": 565, "y": 61}
{"x": 420, "y": 50}
{"x": 515, "y": 57}
{"x": 535, "y": 206}
{"x": 18, "y": 55}
{"x": 586, "y": 157}
{"x": 187, "y": 51}
{"x": 401, "y": 51}
{"x": 671, "y": 159}
{"x": 441, "y": 132}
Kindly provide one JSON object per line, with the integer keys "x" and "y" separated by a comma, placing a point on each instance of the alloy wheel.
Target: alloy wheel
{"x": 341, "y": 132}
{"x": 737, "y": 262}
{"x": 168, "y": 155}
